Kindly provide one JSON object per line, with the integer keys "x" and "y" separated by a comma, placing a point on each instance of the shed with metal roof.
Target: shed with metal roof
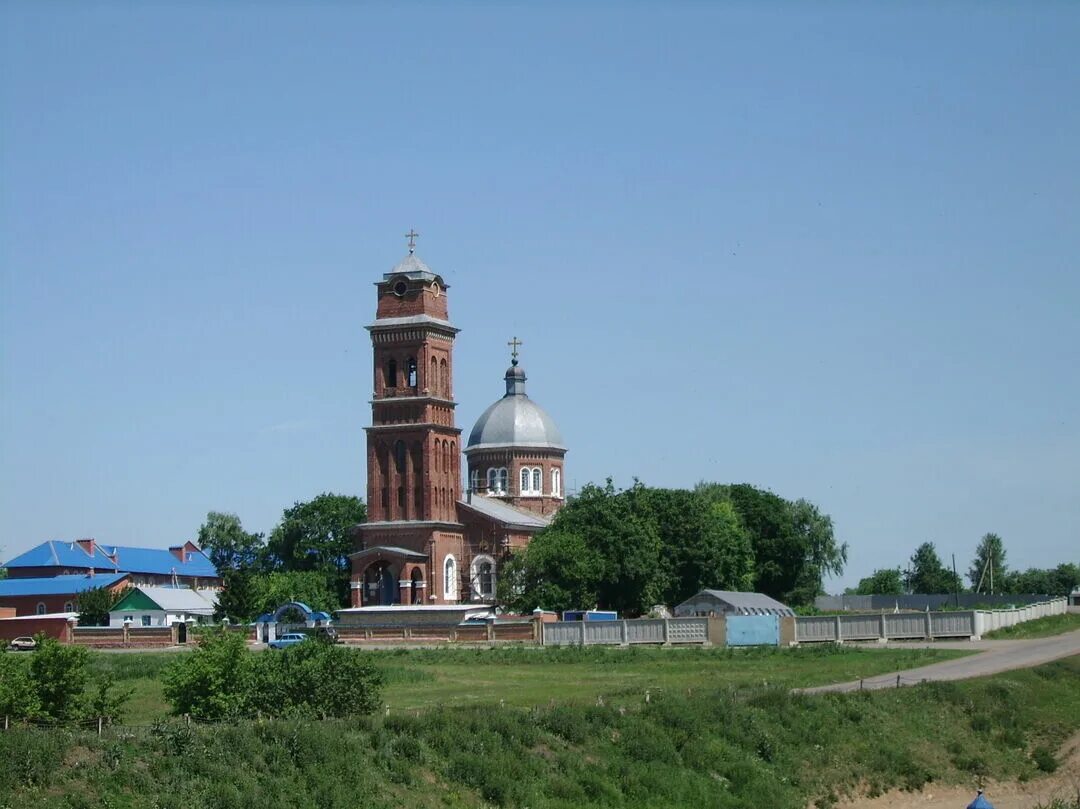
{"x": 729, "y": 602}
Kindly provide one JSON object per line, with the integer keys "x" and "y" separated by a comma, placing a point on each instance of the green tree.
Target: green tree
{"x": 229, "y": 546}
{"x": 1057, "y": 581}
{"x": 237, "y": 599}
{"x": 886, "y": 581}
{"x": 317, "y": 536}
{"x": 557, "y": 570}
{"x": 793, "y": 542}
{"x": 58, "y": 672}
{"x": 93, "y": 605}
{"x": 927, "y": 575}
{"x": 18, "y": 695}
{"x": 270, "y": 591}
{"x": 214, "y": 681}
{"x": 988, "y": 571}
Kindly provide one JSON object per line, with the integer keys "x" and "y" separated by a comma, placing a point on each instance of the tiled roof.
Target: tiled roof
{"x": 57, "y": 585}
{"x": 160, "y": 561}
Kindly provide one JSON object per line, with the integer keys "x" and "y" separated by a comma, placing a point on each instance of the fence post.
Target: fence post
{"x": 667, "y": 636}
{"x": 584, "y": 639}
{"x": 490, "y": 623}
{"x": 929, "y": 626}
{"x": 884, "y": 630}
{"x": 839, "y": 632}
{"x": 99, "y": 724}
{"x": 625, "y": 637}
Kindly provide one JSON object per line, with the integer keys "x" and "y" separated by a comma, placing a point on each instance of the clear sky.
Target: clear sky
{"x": 826, "y": 248}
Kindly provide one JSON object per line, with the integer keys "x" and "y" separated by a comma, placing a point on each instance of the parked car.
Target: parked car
{"x": 24, "y": 644}
{"x": 287, "y": 640}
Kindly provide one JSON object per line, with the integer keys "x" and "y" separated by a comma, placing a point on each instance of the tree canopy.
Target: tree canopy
{"x": 228, "y": 545}
{"x": 628, "y": 550}
{"x": 988, "y": 571}
{"x": 928, "y": 575}
{"x": 317, "y": 536}
{"x": 886, "y": 581}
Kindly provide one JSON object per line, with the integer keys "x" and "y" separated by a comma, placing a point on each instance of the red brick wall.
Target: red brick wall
{"x": 53, "y": 627}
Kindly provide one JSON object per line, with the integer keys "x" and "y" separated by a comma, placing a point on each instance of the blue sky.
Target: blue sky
{"x": 830, "y": 249}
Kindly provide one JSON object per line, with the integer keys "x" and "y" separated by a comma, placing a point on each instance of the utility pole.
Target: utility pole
{"x": 956, "y": 582}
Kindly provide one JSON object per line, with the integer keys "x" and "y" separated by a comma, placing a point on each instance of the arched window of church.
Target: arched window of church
{"x": 556, "y": 483}
{"x": 483, "y": 577}
{"x": 41, "y": 609}
{"x": 411, "y": 372}
{"x": 504, "y": 480}
{"x": 445, "y": 378}
{"x": 492, "y": 480}
{"x": 526, "y": 479}
{"x": 391, "y": 374}
{"x": 445, "y": 456}
{"x": 538, "y": 481}
{"x": 399, "y": 457}
{"x": 433, "y": 380}
{"x": 450, "y": 579}
{"x": 401, "y": 496}
{"x": 474, "y": 480}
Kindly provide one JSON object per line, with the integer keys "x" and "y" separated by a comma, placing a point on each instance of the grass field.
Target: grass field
{"x": 1039, "y": 628}
{"x": 426, "y": 678}
{"x": 761, "y": 747}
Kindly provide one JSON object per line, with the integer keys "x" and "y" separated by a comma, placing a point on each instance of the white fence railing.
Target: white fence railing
{"x": 918, "y": 625}
{"x": 611, "y": 633}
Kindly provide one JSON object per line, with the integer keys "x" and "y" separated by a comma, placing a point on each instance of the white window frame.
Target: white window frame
{"x": 524, "y": 480}
{"x": 475, "y": 480}
{"x": 450, "y": 578}
{"x": 41, "y": 609}
{"x": 537, "y": 481}
{"x": 556, "y": 482}
{"x": 474, "y": 577}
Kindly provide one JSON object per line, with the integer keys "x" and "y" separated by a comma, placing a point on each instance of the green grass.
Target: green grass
{"x": 714, "y": 747}
{"x": 1039, "y": 628}
{"x": 525, "y": 676}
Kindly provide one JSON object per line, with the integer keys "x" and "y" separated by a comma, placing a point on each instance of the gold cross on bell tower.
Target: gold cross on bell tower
{"x": 514, "y": 349}
{"x": 411, "y": 236}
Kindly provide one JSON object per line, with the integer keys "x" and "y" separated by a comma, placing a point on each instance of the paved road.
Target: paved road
{"x": 994, "y": 656}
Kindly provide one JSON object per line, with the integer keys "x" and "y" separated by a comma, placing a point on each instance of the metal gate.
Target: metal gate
{"x": 753, "y": 630}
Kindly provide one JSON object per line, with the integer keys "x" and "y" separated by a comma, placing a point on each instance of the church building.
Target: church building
{"x": 432, "y": 537}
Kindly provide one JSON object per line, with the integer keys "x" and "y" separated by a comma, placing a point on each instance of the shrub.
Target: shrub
{"x": 1044, "y": 759}
{"x": 214, "y": 681}
{"x": 58, "y": 674}
{"x": 221, "y": 679}
{"x": 18, "y": 696}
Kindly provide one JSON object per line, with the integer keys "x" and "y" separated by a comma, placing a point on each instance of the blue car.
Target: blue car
{"x": 290, "y": 639}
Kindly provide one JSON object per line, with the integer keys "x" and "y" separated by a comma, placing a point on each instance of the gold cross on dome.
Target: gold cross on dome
{"x": 411, "y": 236}
{"x": 514, "y": 348}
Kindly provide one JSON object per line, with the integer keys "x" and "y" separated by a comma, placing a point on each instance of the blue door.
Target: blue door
{"x": 753, "y": 630}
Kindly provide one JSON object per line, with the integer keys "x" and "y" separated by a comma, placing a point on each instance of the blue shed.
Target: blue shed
{"x": 590, "y": 615}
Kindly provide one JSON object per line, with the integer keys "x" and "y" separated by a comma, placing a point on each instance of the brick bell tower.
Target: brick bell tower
{"x": 413, "y": 445}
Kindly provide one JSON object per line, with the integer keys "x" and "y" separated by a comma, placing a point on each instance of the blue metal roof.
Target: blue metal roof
{"x": 57, "y": 585}
{"x": 980, "y": 802}
{"x": 160, "y": 561}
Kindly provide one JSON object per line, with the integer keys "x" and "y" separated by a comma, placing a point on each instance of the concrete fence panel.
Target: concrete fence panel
{"x": 688, "y": 630}
{"x": 647, "y": 630}
{"x": 952, "y": 624}
{"x": 903, "y": 625}
{"x": 860, "y": 627}
{"x": 608, "y": 633}
{"x": 815, "y": 628}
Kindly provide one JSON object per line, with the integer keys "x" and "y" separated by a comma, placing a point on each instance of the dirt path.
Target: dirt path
{"x": 1065, "y": 783}
{"x": 994, "y": 656}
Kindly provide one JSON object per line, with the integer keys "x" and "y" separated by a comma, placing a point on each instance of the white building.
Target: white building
{"x": 163, "y": 606}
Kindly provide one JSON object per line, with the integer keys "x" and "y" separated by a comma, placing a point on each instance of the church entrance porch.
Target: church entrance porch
{"x": 386, "y": 575}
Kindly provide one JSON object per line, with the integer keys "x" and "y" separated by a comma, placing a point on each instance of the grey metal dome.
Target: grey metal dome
{"x": 515, "y": 420}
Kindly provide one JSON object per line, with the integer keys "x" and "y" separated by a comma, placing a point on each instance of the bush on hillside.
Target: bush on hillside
{"x": 222, "y": 680}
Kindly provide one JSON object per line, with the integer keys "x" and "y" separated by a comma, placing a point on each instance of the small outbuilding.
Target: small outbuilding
{"x": 728, "y": 602}
{"x": 163, "y": 606}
